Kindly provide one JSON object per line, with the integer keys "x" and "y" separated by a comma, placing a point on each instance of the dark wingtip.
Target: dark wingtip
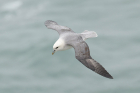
{"x": 48, "y": 22}
{"x": 108, "y": 76}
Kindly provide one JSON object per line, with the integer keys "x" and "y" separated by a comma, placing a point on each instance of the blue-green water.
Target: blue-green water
{"x": 26, "y": 63}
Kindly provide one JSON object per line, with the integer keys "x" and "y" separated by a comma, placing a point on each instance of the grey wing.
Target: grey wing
{"x": 53, "y": 25}
{"x": 82, "y": 53}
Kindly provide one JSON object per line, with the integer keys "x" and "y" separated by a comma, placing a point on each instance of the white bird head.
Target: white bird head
{"x": 58, "y": 46}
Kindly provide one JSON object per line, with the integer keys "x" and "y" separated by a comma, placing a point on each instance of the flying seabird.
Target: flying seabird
{"x": 69, "y": 39}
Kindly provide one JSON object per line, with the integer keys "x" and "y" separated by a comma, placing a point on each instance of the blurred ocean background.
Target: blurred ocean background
{"x": 26, "y": 62}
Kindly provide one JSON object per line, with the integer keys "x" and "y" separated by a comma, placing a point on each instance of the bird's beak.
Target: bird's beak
{"x": 53, "y": 52}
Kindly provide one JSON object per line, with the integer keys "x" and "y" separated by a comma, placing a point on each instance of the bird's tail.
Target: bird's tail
{"x": 88, "y": 34}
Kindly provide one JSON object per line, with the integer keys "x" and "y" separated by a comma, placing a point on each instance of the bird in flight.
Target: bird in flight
{"x": 69, "y": 39}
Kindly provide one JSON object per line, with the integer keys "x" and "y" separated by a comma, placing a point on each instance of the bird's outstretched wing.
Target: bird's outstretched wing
{"x": 82, "y": 54}
{"x": 53, "y": 25}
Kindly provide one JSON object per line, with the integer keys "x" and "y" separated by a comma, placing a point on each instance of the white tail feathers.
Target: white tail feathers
{"x": 88, "y": 34}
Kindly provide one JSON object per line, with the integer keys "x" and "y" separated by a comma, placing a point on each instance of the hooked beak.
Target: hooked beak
{"x": 53, "y": 52}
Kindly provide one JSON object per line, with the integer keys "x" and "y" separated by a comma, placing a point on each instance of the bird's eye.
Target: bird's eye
{"x": 56, "y": 47}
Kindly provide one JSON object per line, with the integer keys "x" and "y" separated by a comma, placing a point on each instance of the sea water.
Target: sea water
{"x": 26, "y": 61}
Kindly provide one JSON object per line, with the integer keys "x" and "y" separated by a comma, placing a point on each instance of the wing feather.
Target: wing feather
{"x": 53, "y": 25}
{"x": 82, "y": 54}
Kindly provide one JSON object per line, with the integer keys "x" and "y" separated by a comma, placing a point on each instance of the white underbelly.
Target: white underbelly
{"x": 67, "y": 47}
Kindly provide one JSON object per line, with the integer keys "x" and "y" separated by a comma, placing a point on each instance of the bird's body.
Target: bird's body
{"x": 64, "y": 39}
{"x": 69, "y": 39}
{"x": 63, "y": 44}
